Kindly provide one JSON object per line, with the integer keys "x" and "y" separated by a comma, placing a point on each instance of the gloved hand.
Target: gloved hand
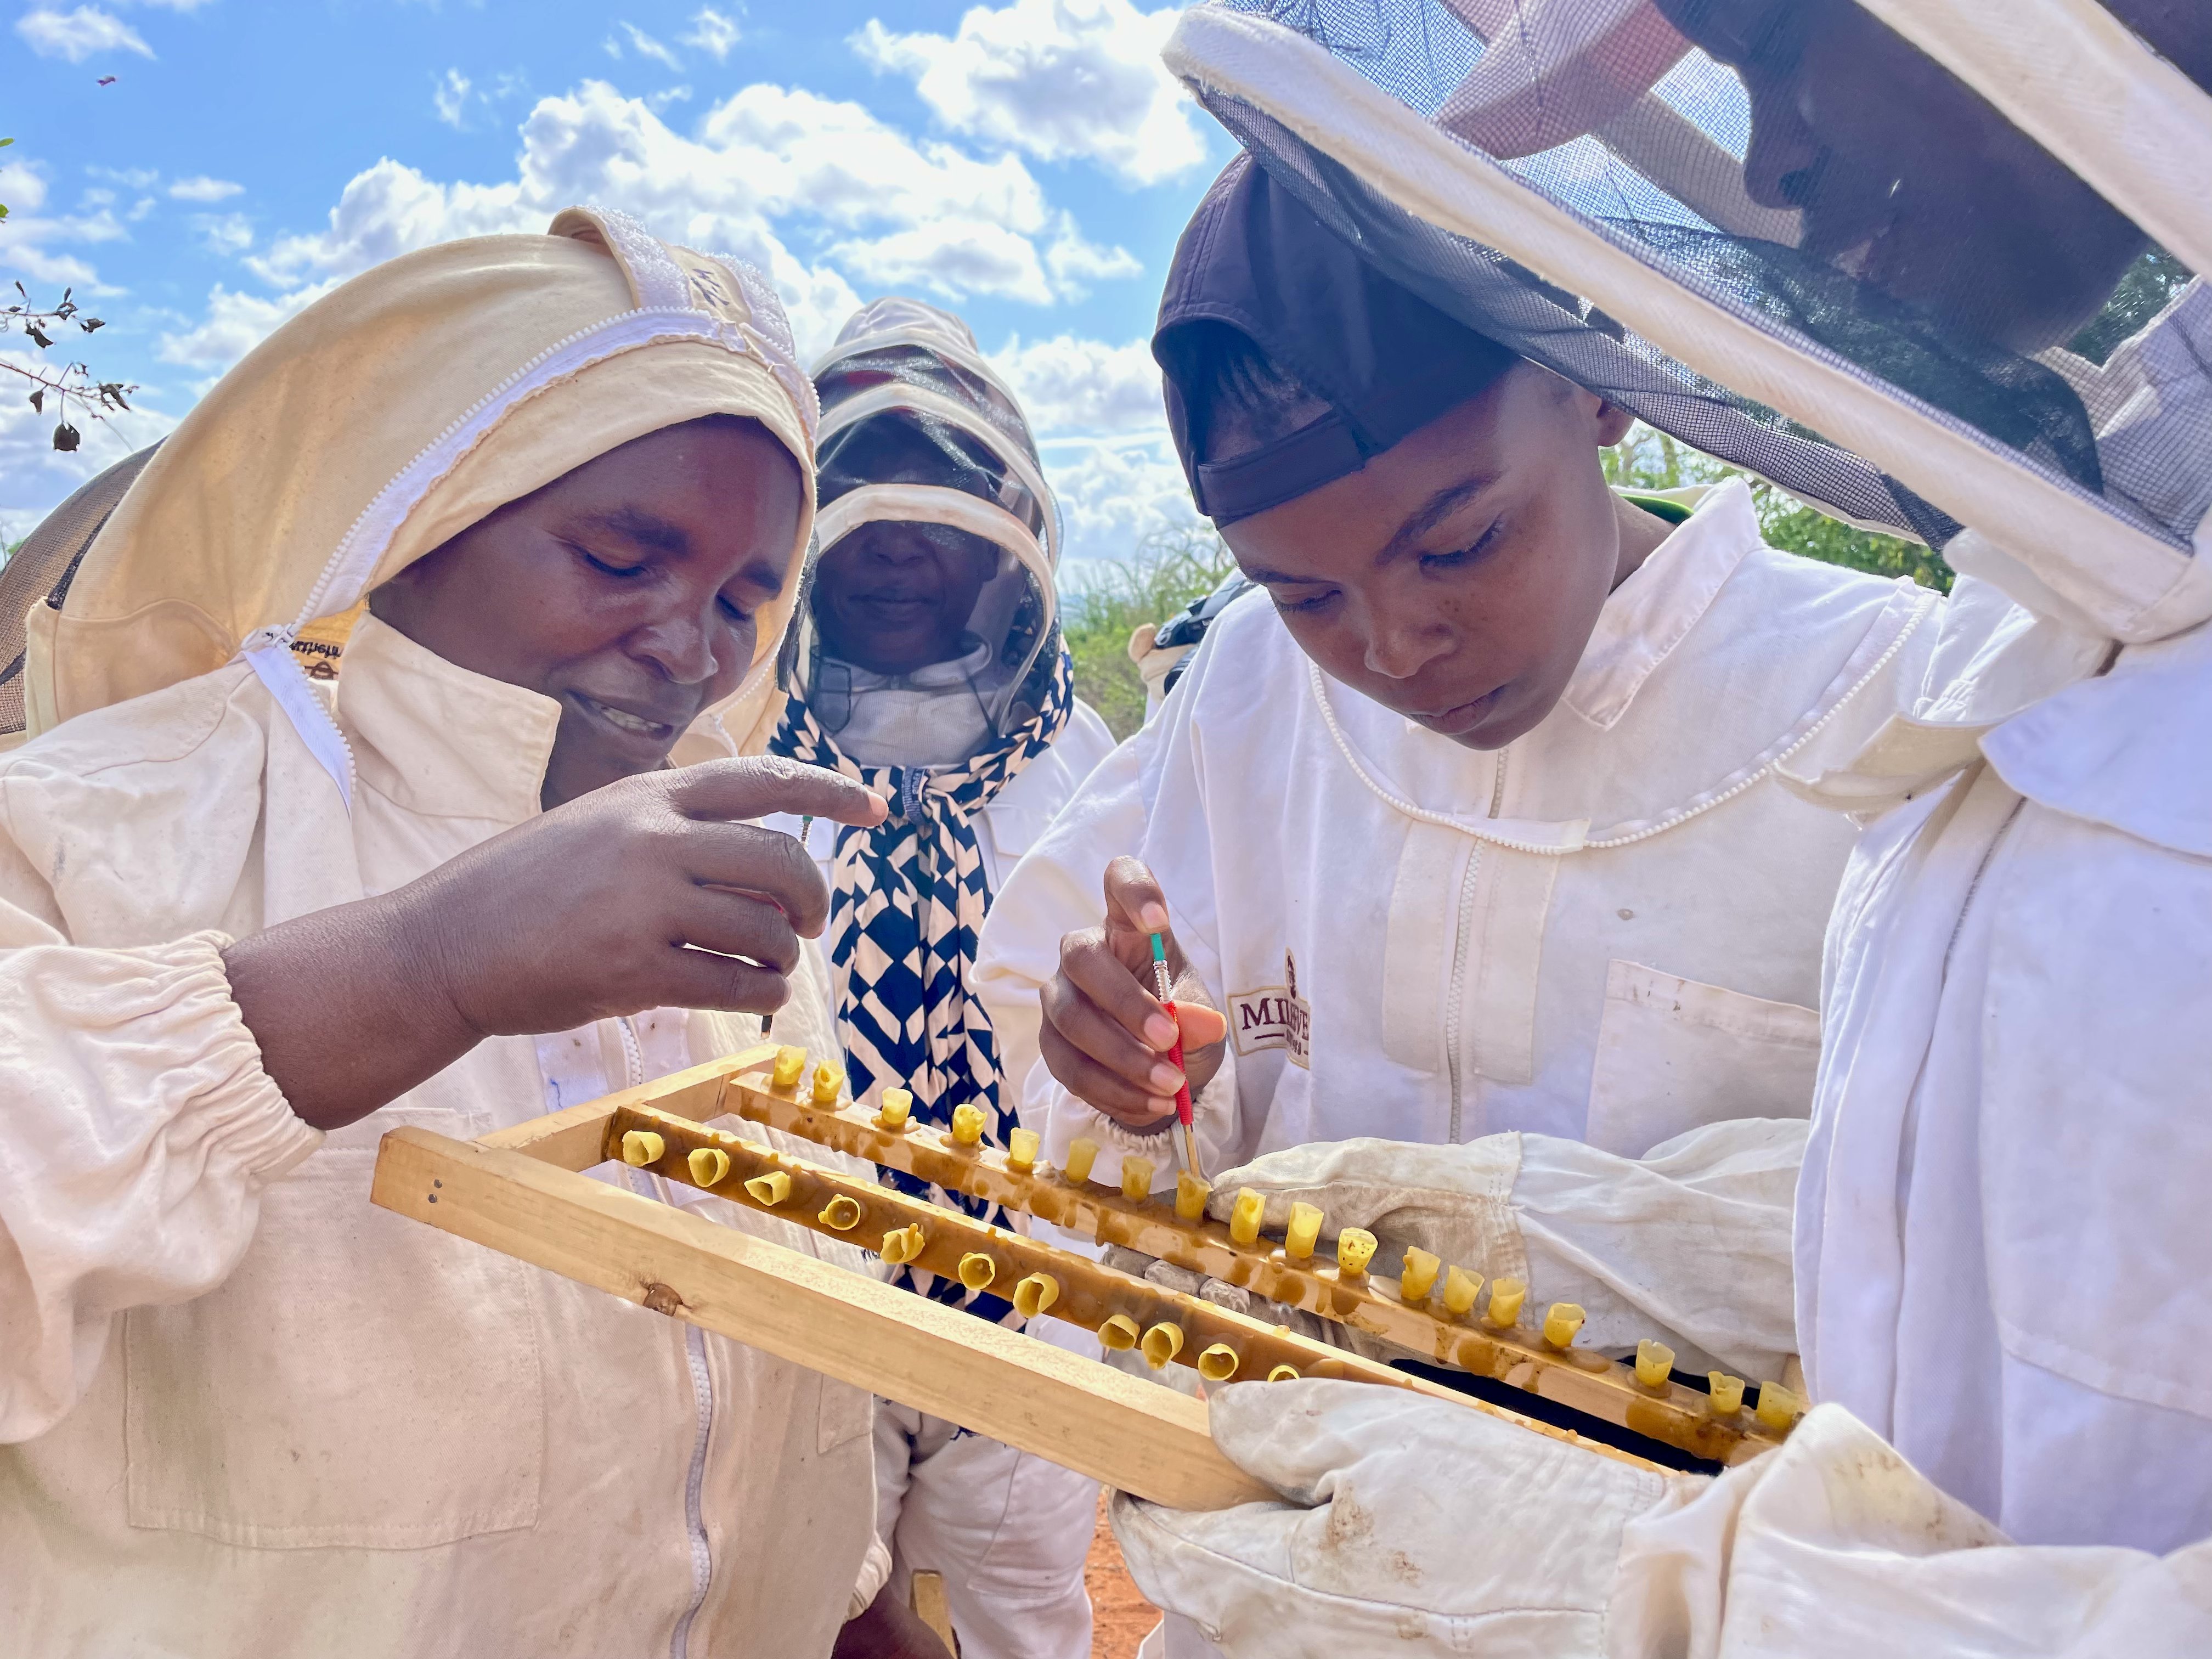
{"x": 1410, "y": 1526}
{"x": 1414, "y": 1526}
{"x": 1690, "y": 1243}
{"x": 1453, "y": 1201}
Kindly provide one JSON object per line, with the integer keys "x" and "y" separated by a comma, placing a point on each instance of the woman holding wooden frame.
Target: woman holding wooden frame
{"x": 249, "y": 923}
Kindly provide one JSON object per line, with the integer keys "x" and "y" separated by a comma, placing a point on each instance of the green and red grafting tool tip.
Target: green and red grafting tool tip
{"x": 1164, "y": 987}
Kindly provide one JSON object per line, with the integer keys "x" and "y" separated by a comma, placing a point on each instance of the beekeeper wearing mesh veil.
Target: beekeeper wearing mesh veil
{"x": 1922, "y": 231}
{"x": 928, "y": 664}
{"x": 250, "y": 921}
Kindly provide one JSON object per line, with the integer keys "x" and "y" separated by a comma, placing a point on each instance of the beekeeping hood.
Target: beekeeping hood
{"x": 904, "y": 390}
{"x": 381, "y": 422}
{"x": 1923, "y": 263}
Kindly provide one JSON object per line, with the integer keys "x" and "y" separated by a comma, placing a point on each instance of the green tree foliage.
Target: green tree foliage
{"x": 2150, "y": 284}
{"x": 1169, "y": 569}
{"x": 1649, "y": 459}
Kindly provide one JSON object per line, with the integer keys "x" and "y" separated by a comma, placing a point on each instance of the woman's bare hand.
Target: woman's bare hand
{"x": 648, "y": 893}
{"x": 1105, "y": 1035}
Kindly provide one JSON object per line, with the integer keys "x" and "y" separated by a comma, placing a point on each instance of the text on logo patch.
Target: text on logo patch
{"x": 1273, "y": 1017}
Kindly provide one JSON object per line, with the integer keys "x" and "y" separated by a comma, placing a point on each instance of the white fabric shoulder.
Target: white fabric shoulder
{"x": 2128, "y": 749}
{"x": 1086, "y": 739}
{"x": 80, "y": 804}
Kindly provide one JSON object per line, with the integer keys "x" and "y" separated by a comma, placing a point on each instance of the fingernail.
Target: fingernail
{"x": 1153, "y": 918}
{"x": 1159, "y": 1031}
{"x": 1163, "y": 1108}
{"x": 1167, "y": 1079}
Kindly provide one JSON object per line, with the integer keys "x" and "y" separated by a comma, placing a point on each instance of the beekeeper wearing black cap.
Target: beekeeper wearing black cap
{"x": 1899, "y": 257}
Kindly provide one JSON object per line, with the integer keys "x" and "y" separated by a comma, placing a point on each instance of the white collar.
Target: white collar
{"x": 961, "y": 670}
{"x": 437, "y": 740}
{"x": 1649, "y": 614}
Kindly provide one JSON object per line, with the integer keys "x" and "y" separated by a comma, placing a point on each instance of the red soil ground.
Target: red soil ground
{"x": 1120, "y": 1616}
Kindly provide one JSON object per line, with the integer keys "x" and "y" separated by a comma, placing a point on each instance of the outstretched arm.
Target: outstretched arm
{"x": 1418, "y": 1528}
{"x": 151, "y": 1094}
{"x": 648, "y": 893}
{"x": 1690, "y": 1243}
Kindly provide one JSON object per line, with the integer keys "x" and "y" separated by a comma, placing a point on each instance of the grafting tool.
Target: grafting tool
{"x": 1164, "y": 987}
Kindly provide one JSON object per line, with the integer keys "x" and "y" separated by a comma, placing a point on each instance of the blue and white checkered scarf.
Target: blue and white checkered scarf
{"x": 907, "y": 900}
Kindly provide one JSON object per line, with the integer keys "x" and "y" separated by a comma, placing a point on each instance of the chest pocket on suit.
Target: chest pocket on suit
{"x": 1015, "y": 829}
{"x": 1674, "y": 1055}
{"x": 361, "y": 1380}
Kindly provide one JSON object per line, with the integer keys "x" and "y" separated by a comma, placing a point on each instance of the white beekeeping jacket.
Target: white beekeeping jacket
{"x": 249, "y": 1412}
{"x": 2000, "y": 1227}
{"x": 241, "y": 1410}
{"x": 1608, "y": 932}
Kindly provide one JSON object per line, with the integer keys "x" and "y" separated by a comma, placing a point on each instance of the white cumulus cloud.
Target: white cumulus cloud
{"x": 76, "y": 35}
{"x": 1112, "y": 495}
{"x": 202, "y": 188}
{"x": 952, "y": 259}
{"x": 1057, "y": 78}
{"x": 1096, "y": 407}
{"x": 1075, "y": 264}
{"x": 646, "y": 47}
{"x": 224, "y": 234}
{"x": 1071, "y": 386}
{"x": 34, "y": 244}
{"x": 450, "y": 97}
{"x": 818, "y": 193}
{"x": 711, "y": 32}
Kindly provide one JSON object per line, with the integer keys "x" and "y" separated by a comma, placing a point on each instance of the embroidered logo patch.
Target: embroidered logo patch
{"x": 1273, "y": 1017}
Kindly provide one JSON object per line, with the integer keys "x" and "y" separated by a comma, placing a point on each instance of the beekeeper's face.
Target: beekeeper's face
{"x": 893, "y": 597}
{"x": 625, "y": 591}
{"x": 1908, "y": 181}
{"x": 1455, "y": 578}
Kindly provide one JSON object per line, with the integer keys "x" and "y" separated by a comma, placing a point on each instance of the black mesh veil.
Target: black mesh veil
{"x": 1858, "y": 267}
{"x": 918, "y": 430}
{"x": 40, "y": 570}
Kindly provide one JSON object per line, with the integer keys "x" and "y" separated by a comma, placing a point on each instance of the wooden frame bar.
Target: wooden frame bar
{"x": 521, "y": 1191}
{"x": 1090, "y": 1418}
{"x": 1089, "y": 1292}
{"x": 1517, "y": 1355}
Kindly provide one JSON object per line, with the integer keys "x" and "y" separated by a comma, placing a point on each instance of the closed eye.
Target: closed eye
{"x": 1312, "y": 606}
{"x": 1465, "y": 556}
{"x": 604, "y": 566}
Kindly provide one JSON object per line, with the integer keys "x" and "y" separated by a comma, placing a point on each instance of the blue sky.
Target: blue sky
{"x": 1028, "y": 164}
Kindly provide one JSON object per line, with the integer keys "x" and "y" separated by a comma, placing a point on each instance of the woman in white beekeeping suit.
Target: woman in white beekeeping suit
{"x": 926, "y": 663}
{"x": 544, "y": 500}
{"x": 1924, "y": 232}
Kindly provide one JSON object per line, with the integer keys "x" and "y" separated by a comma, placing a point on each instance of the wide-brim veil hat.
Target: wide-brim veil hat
{"x": 391, "y": 415}
{"x": 1582, "y": 180}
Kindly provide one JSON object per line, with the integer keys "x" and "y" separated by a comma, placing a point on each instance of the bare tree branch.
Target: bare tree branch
{"x": 68, "y": 383}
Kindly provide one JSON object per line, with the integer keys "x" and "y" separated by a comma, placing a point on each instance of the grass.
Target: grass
{"x": 1169, "y": 569}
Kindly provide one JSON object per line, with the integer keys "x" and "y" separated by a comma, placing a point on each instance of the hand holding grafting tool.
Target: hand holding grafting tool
{"x": 1163, "y": 988}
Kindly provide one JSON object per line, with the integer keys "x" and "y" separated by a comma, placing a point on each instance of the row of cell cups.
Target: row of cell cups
{"x": 1777, "y": 1406}
{"x": 1031, "y": 1296}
